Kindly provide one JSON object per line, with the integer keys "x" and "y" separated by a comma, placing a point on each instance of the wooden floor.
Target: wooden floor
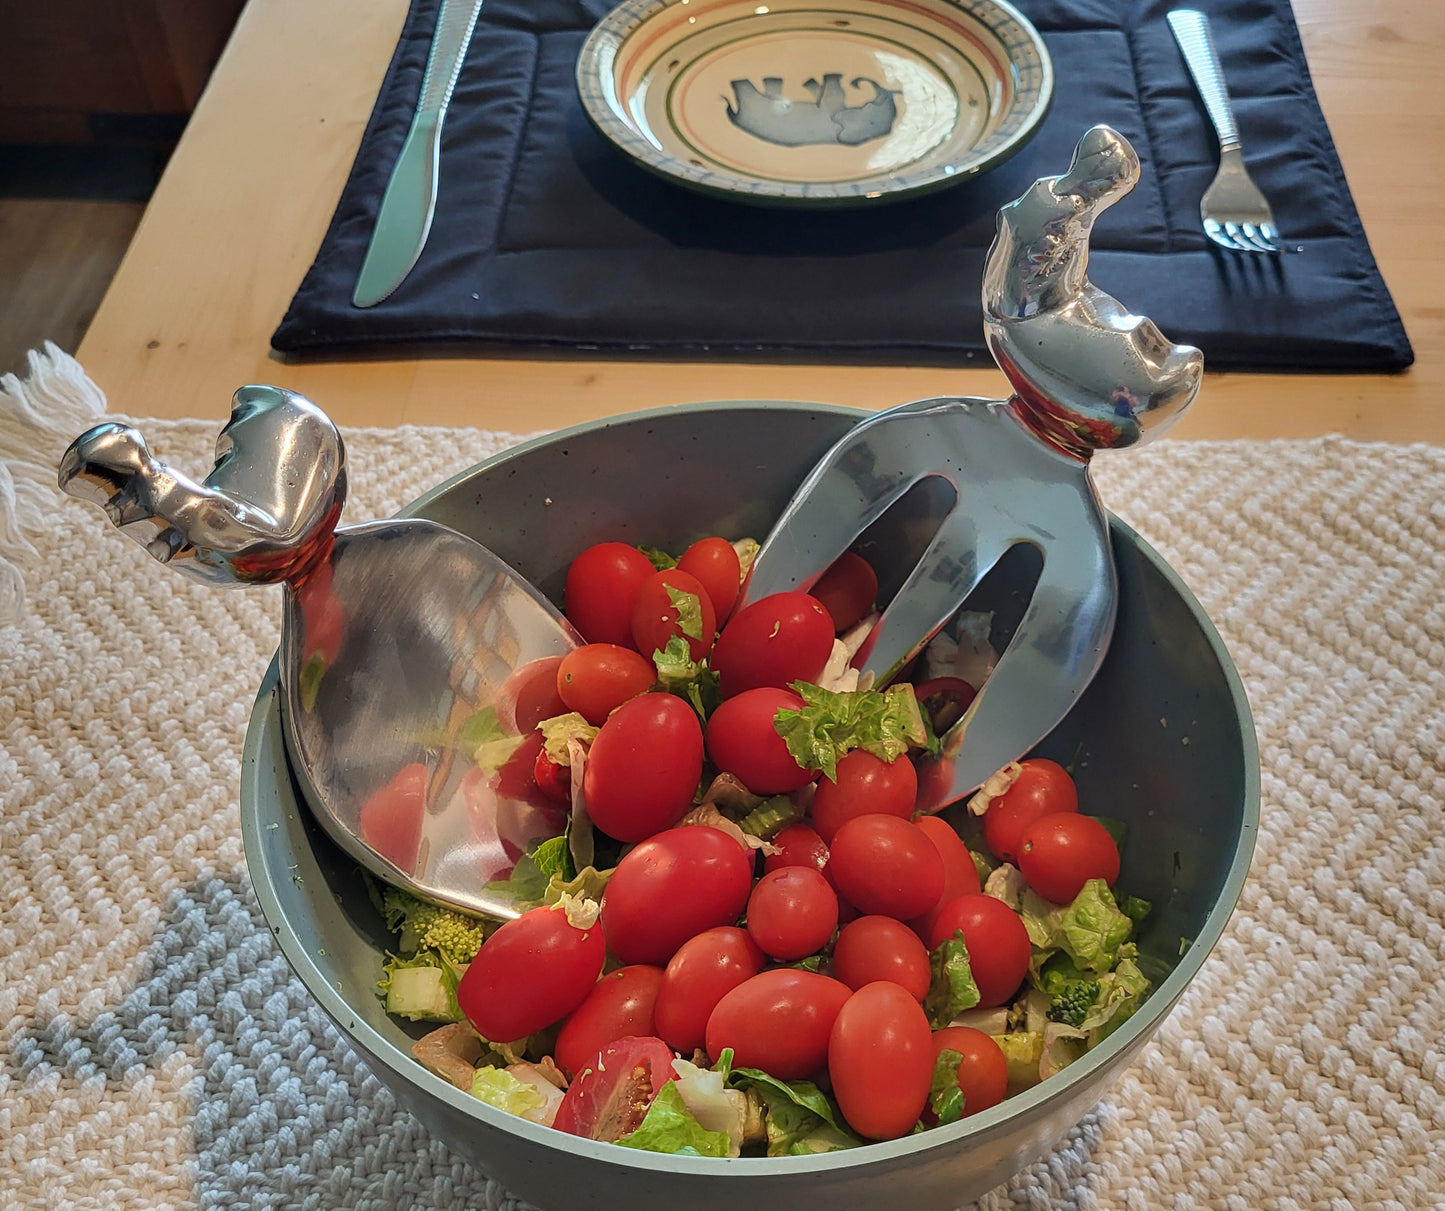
{"x": 57, "y": 257}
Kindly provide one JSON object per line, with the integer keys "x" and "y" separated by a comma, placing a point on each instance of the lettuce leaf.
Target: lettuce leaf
{"x": 689, "y": 612}
{"x": 953, "y": 989}
{"x": 678, "y": 673}
{"x": 945, "y": 1098}
{"x": 832, "y": 724}
{"x": 558, "y": 730}
{"x": 669, "y": 1126}
{"x": 499, "y": 1088}
{"x": 1092, "y": 931}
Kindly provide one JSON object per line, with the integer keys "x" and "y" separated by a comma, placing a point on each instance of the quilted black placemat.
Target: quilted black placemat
{"x": 546, "y": 236}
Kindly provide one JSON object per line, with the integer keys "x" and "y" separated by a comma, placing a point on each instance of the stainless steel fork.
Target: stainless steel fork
{"x": 1235, "y": 213}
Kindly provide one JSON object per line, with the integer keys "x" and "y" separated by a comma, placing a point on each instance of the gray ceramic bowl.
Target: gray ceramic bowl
{"x": 667, "y": 477}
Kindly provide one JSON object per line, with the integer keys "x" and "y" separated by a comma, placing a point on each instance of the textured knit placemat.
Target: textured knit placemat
{"x": 155, "y": 1051}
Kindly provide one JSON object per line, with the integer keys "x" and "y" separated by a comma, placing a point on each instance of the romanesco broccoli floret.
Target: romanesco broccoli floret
{"x": 425, "y": 926}
{"x": 1071, "y": 1005}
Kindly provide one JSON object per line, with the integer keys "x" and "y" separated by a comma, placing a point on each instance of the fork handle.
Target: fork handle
{"x": 1191, "y": 31}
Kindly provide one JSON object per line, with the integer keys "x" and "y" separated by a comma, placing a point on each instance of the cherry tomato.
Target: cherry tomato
{"x": 529, "y": 695}
{"x": 643, "y": 767}
{"x": 847, "y": 589}
{"x": 792, "y": 913}
{"x": 671, "y": 888}
{"x": 944, "y": 699}
{"x": 778, "y": 1021}
{"x": 863, "y": 785}
{"x": 619, "y": 1005}
{"x": 553, "y": 778}
{"x": 655, "y": 619}
{"x": 880, "y": 1060}
{"x": 1062, "y": 852}
{"x": 602, "y": 584}
{"x": 391, "y": 817}
{"x": 1042, "y": 788}
{"x": 983, "y": 1070}
{"x": 886, "y": 866}
{"x": 610, "y": 1100}
{"x": 742, "y": 740}
{"x": 783, "y": 638}
{"x": 533, "y": 971}
{"x": 797, "y": 845}
{"x": 714, "y": 562}
{"x": 597, "y": 678}
{"x": 960, "y": 875}
{"x": 998, "y": 944}
{"x": 880, "y": 948}
{"x": 703, "y": 970}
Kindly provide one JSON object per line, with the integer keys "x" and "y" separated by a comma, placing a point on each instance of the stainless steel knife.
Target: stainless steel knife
{"x": 407, "y": 206}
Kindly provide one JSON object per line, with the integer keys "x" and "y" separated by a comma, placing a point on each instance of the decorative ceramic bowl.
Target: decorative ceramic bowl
{"x": 799, "y": 103}
{"x": 667, "y": 477}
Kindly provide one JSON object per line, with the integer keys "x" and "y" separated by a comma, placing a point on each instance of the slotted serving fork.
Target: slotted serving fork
{"x": 1235, "y": 212}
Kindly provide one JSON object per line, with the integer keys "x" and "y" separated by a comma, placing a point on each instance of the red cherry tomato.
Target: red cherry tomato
{"x": 1042, "y": 788}
{"x": 703, "y": 970}
{"x": 792, "y": 913}
{"x": 944, "y": 699}
{"x": 533, "y": 971}
{"x": 1062, "y": 852}
{"x": 602, "y": 584}
{"x": 619, "y": 1005}
{"x": 778, "y": 1021}
{"x": 714, "y": 562}
{"x": 529, "y": 695}
{"x": 671, "y": 888}
{"x": 797, "y": 845}
{"x": 998, "y": 944}
{"x": 610, "y": 1100}
{"x": 847, "y": 589}
{"x": 553, "y": 778}
{"x": 597, "y": 678}
{"x": 983, "y": 1070}
{"x": 880, "y": 948}
{"x": 863, "y": 785}
{"x": 960, "y": 875}
{"x": 392, "y": 815}
{"x": 655, "y": 619}
{"x": 643, "y": 767}
{"x": 880, "y": 1060}
{"x": 742, "y": 740}
{"x": 783, "y": 638}
{"x": 886, "y": 866}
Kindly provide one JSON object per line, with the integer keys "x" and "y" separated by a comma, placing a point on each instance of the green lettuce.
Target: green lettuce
{"x": 499, "y": 1088}
{"x": 832, "y": 724}
{"x": 678, "y": 673}
{"x": 558, "y": 730}
{"x": 945, "y": 1098}
{"x": 801, "y": 1120}
{"x": 953, "y": 988}
{"x": 669, "y": 1126}
{"x": 688, "y": 607}
{"x": 1092, "y": 930}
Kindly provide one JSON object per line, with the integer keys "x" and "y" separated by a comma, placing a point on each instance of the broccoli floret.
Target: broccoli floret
{"x": 1072, "y": 1004}
{"x": 424, "y": 926}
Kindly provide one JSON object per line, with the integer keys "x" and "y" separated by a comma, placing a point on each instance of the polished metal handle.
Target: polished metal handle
{"x": 1191, "y": 31}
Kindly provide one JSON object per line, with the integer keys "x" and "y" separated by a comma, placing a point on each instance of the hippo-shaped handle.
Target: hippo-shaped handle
{"x": 265, "y": 513}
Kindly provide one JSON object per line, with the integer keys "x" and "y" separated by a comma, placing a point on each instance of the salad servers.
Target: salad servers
{"x": 413, "y": 662}
{"x": 1086, "y": 376}
{"x": 1234, "y": 210}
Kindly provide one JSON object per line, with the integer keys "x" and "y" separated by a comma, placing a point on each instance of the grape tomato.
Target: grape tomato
{"x": 742, "y": 741}
{"x": 672, "y": 887}
{"x": 982, "y": 1068}
{"x": 862, "y": 785}
{"x": 1062, "y": 852}
{"x": 703, "y": 970}
{"x": 998, "y": 944}
{"x": 714, "y": 562}
{"x": 597, "y": 678}
{"x": 879, "y": 948}
{"x": 643, "y": 767}
{"x": 1042, "y": 788}
{"x": 792, "y": 913}
{"x": 886, "y": 866}
{"x": 601, "y": 585}
{"x": 779, "y": 1021}
{"x": 960, "y": 874}
{"x": 847, "y": 590}
{"x": 655, "y": 619}
{"x": 881, "y": 1060}
{"x": 610, "y": 1099}
{"x": 620, "y": 1005}
{"x": 783, "y": 638}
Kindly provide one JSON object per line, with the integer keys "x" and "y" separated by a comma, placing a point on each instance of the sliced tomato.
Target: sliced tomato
{"x": 610, "y": 1100}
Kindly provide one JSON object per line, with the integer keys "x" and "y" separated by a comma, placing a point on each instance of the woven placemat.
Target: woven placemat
{"x": 155, "y": 1051}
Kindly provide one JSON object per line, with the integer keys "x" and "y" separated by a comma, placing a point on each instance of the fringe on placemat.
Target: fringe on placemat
{"x": 40, "y": 415}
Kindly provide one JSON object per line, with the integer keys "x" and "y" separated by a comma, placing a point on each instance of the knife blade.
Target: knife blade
{"x": 407, "y": 206}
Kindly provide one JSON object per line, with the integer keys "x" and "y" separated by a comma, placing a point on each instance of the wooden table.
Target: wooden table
{"x": 248, "y": 194}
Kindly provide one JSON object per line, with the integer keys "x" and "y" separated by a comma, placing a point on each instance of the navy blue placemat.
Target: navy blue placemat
{"x": 546, "y": 236}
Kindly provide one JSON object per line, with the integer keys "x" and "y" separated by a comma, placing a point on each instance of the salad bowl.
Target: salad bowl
{"x": 664, "y": 478}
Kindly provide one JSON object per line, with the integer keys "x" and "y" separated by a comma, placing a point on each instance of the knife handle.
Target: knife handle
{"x": 455, "y": 23}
